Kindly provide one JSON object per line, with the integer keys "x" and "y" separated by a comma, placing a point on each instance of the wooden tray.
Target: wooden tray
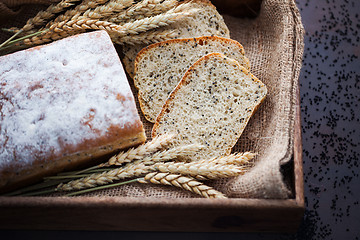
{"x": 143, "y": 214}
{"x": 154, "y": 214}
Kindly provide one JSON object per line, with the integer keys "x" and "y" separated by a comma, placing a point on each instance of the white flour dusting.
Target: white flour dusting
{"x": 63, "y": 93}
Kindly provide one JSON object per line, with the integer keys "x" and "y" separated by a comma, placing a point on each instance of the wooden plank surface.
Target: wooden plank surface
{"x": 298, "y": 164}
{"x": 149, "y": 214}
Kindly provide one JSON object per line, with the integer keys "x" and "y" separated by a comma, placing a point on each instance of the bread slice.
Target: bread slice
{"x": 211, "y": 105}
{"x": 206, "y": 22}
{"x": 160, "y": 66}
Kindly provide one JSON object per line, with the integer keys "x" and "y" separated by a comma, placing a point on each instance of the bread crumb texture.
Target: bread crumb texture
{"x": 160, "y": 67}
{"x": 211, "y": 105}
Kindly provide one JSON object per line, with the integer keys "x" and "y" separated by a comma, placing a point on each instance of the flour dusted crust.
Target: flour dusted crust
{"x": 211, "y": 105}
{"x": 63, "y": 104}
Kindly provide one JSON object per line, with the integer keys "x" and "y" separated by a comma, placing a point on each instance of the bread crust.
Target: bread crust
{"x": 14, "y": 177}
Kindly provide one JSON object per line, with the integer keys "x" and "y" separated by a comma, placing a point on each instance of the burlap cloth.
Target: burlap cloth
{"x": 273, "y": 41}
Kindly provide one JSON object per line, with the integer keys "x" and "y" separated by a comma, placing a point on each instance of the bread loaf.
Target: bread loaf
{"x": 160, "y": 66}
{"x": 206, "y": 22}
{"x": 62, "y": 105}
{"x": 211, "y": 105}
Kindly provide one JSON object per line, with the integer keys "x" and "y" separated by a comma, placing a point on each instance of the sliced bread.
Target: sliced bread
{"x": 211, "y": 105}
{"x": 206, "y": 22}
{"x": 160, "y": 66}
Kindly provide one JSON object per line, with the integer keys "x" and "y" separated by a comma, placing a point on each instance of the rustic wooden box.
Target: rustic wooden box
{"x": 156, "y": 214}
{"x": 144, "y": 214}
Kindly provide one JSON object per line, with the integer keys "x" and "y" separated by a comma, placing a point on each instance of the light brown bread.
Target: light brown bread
{"x": 160, "y": 66}
{"x": 211, "y": 105}
{"x": 75, "y": 106}
{"x": 206, "y": 22}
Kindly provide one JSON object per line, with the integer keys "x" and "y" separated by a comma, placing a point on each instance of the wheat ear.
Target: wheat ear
{"x": 164, "y": 19}
{"x": 134, "y": 169}
{"x": 83, "y": 7}
{"x": 49, "y": 36}
{"x": 71, "y": 27}
{"x": 235, "y": 158}
{"x": 76, "y": 12}
{"x": 170, "y": 154}
{"x": 71, "y": 23}
{"x": 156, "y": 9}
{"x": 200, "y": 171}
{"x": 110, "y": 8}
{"x": 149, "y": 157}
{"x": 141, "y": 151}
{"x": 96, "y": 179}
{"x": 77, "y": 25}
{"x": 186, "y": 183}
{"x": 143, "y": 9}
{"x": 145, "y": 37}
{"x": 43, "y": 16}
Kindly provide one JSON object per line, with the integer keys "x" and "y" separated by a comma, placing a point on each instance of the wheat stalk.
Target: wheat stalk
{"x": 141, "y": 151}
{"x": 70, "y": 27}
{"x": 133, "y": 169}
{"x": 145, "y": 8}
{"x": 169, "y": 154}
{"x": 235, "y": 158}
{"x": 200, "y": 171}
{"x": 147, "y": 153}
{"x": 109, "y": 9}
{"x": 96, "y": 179}
{"x": 42, "y": 16}
{"x": 49, "y": 36}
{"x": 186, "y": 183}
{"x": 68, "y": 24}
{"x": 145, "y": 37}
{"x": 83, "y": 7}
{"x": 77, "y": 25}
{"x": 156, "y": 9}
{"x": 76, "y": 12}
{"x": 164, "y": 19}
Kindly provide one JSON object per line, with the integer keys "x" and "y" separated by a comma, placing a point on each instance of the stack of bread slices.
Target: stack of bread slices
{"x": 199, "y": 88}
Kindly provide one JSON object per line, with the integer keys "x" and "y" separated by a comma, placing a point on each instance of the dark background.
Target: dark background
{"x": 330, "y": 90}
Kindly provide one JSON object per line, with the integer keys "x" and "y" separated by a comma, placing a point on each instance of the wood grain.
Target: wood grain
{"x": 149, "y": 214}
{"x": 298, "y": 164}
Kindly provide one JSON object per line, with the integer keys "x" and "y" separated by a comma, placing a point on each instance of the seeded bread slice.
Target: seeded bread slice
{"x": 160, "y": 66}
{"x": 206, "y": 22}
{"x": 211, "y": 105}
